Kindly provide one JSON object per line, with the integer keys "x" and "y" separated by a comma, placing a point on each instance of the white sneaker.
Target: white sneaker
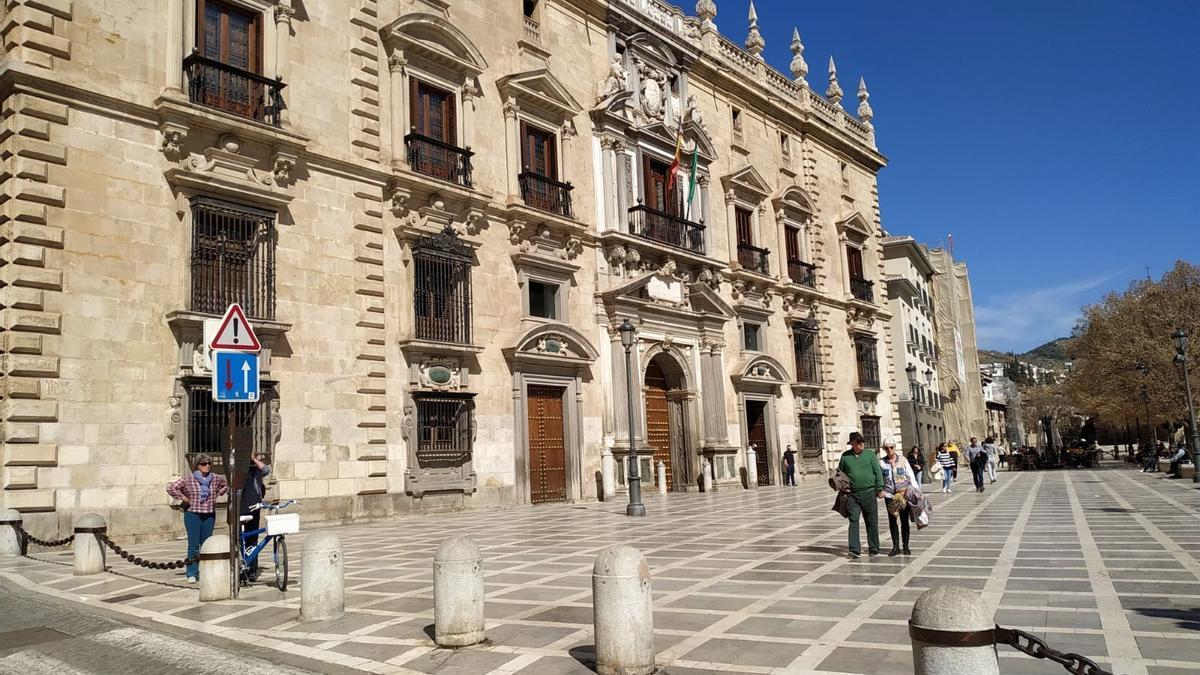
{"x": 191, "y": 580}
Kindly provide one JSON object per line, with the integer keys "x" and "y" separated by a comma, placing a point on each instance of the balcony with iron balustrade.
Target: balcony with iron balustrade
{"x": 802, "y": 273}
{"x": 438, "y": 159}
{"x": 221, "y": 86}
{"x": 862, "y": 290}
{"x": 754, "y": 259}
{"x": 545, "y": 193}
{"x": 663, "y": 227}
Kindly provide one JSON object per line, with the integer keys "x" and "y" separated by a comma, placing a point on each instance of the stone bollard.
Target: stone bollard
{"x": 957, "y": 610}
{"x": 707, "y": 475}
{"x": 622, "y": 613}
{"x": 1187, "y": 471}
{"x": 89, "y": 552}
{"x": 662, "y": 477}
{"x": 608, "y": 474}
{"x": 10, "y": 540}
{"x": 751, "y": 468}
{"x": 214, "y": 568}
{"x": 322, "y": 578}
{"x": 457, "y": 594}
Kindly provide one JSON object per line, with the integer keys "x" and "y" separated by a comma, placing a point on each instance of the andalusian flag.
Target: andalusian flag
{"x": 692, "y": 179}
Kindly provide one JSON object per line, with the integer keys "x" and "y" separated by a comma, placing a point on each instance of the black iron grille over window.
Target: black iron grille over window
{"x": 443, "y": 429}
{"x": 442, "y": 288}
{"x": 868, "y": 361}
{"x": 812, "y": 439}
{"x": 870, "y": 432}
{"x": 804, "y": 343}
{"x": 233, "y": 258}
{"x": 208, "y": 425}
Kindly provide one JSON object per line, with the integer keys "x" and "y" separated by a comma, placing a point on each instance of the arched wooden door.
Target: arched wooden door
{"x": 756, "y": 435}
{"x": 658, "y": 419}
{"x": 547, "y": 445}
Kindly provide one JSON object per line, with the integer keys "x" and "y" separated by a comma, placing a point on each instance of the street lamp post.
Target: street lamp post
{"x": 633, "y": 476}
{"x": 1181, "y": 355}
{"x": 911, "y": 371}
{"x": 929, "y": 386}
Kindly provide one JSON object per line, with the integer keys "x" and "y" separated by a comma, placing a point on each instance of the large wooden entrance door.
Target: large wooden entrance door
{"x": 547, "y": 445}
{"x": 658, "y": 419}
{"x": 756, "y": 425}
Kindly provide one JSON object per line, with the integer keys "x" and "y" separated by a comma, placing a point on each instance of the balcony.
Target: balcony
{"x": 217, "y": 85}
{"x": 671, "y": 230}
{"x": 802, "y": 273}
{"x": 436, "y": 159}
{"x": 545, "y": 193}
{"x": 532, "y": 31}
{"x": 754, "y": 258}
{"x": 862, "y": 289}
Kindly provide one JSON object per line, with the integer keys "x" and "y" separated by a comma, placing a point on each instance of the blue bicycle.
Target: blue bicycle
{"x": 276, "y": 529}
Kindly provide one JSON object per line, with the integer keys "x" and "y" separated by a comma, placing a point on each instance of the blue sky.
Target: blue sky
{"x": 1057, "y": 140}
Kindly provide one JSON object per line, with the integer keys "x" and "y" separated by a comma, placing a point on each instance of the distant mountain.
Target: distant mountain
{"x": 1051, "y": 355}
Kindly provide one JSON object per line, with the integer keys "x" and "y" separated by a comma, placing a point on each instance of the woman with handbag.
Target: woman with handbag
{"x": 898, "y": 479}
{"x": 945, "y": 462}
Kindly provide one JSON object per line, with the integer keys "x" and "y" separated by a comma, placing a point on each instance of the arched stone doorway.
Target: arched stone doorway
{"x": 666, "y": 419}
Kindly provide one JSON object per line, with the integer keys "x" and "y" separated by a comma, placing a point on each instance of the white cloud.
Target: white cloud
{"x": 1021, "y": 320}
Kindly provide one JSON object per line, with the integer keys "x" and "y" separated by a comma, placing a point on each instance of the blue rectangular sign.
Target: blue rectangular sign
{"x": 234, "y": 376}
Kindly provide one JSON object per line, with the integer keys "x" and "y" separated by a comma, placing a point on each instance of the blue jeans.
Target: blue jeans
{"x": 199, "y": 527}
{"x": 947, "y": 479}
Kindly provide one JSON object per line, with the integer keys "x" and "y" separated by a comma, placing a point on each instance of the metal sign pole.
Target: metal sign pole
{"x": 232, "y": 506}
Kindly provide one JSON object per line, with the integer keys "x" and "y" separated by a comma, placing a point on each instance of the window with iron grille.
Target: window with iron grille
{"x": 208, "y": 425}
{"x": 443, "y": 429}
{"x": 812, "y": 436}
{"x": 442, "y": 288}
{"x": 870, "y": 432}
{"x": 804, "y": 346}
{"x": 233, "y": 258}
{"x": 868, "y": 361}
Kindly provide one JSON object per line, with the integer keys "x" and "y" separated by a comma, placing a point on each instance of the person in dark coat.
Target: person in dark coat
{"x": 253, "y": 492}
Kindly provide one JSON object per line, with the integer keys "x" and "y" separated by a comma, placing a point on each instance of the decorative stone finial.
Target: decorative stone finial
{"x": 864, "y": 108}
{"x": 754, "y": 39}
{"x": 799, "y": 66}
{"x": 706, "y": 10}
{"x": 834, "y": 91}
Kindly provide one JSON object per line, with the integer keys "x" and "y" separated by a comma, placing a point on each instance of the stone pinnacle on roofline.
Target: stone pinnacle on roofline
{"x": 799, "y": 66}
{"x": 864, "y": 108}
{"x": 834, "y": 91}
{"x": 754, "y": 39}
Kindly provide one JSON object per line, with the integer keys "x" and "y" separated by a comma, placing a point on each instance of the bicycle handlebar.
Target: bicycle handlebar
{"x": 274, "y": 506}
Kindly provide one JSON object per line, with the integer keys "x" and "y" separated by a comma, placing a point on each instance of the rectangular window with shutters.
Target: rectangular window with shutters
{"x": 745, "y": 226}
{"x": 654, "y": 174}
{"x": 870, "y": 432}
{"x": 208, "y": 424}
{"x": 538, "y": 180}
{"x": 538, "y": 151}
{"x": 233, "y": 258}
{"x": 229, "y": 44}
{"x": 432, "y": 144}
{"x": 443, "y": 429}
{"x": 804, "y": 345}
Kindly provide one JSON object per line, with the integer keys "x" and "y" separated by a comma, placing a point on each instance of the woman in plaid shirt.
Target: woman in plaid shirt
{"x": 198, "y": 492}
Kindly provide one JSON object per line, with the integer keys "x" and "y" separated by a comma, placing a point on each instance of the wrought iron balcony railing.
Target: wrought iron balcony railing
{"x": 802, "y": 273}
{"x": 660, "y": 226}
{"x": 754, "y": 258}
{"x": 862, "y": 289}
{"x": 225, "y": 87}
{"x": 435, "y": 158}
{"x": 545, "y": 193}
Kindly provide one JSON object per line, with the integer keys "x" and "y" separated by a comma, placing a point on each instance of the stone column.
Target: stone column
{"x": 730, "y": 225}
{"x": 175, "y": 45}
{"x": 620, "y": 217}
{"x": 398, "y": 100}
{"x": 512, "y": 144}
{"x": 283, "y": 38}
{"x": 467, "y": 119}
{"x": 716, "y": 428}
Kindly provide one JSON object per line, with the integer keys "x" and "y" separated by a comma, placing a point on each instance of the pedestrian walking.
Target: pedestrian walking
{"x": 198, "y": 492}
{"x": 946, "y": 461}
{"x": 253, "y": 492}
{"x": 866, "y": 487}
{"x": 977, "y": 460}
{"x": 916, "y": 460}
{"x": 789, "y": 466}
{"x": 993, "y": 456}
{"x": 952, "y": 448}
{"x": 898, "y": 480}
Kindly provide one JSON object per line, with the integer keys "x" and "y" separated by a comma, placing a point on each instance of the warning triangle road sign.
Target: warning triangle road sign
{"x": 235, "y": 332}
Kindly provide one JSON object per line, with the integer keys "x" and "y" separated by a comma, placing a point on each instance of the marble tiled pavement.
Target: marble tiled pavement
{"x": 1105, "y": 563}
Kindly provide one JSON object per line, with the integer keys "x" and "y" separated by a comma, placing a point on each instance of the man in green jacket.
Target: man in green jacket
{"x": 866, "y": 489}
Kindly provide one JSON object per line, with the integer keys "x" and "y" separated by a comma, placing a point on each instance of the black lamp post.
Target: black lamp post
{"x": 935, "y": 401}
{"x": 633, "y": 476}
{"x": 911, "y": 371}
{"x": 1181, "y": 355}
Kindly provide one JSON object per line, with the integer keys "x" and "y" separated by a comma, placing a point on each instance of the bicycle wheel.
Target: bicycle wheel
{"x": 281, "y": 563}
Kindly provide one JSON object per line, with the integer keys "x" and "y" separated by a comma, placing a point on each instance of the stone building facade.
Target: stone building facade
{"x": 435, "y": 214}
{"x": 958, "y": 355}
{"x": 909, "y": 278}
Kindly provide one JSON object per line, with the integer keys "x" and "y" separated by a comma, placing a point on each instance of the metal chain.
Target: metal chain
{"x": 1037, "y": 648}
{"x": 174, "y": 565}
{"x": 52, "y": 543}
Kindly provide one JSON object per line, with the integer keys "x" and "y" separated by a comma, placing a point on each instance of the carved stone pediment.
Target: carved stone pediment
{"x": 436, "y": 40}
{"x": 760, "y": 373}
{"x": 230, "y": 167}
{"x": 855, "y": 223}
{"x": 423, "y": 213}
{"x": 540, "y": 90}
{"x": 552, "y": 344}
{"x": 748, "y": 183}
